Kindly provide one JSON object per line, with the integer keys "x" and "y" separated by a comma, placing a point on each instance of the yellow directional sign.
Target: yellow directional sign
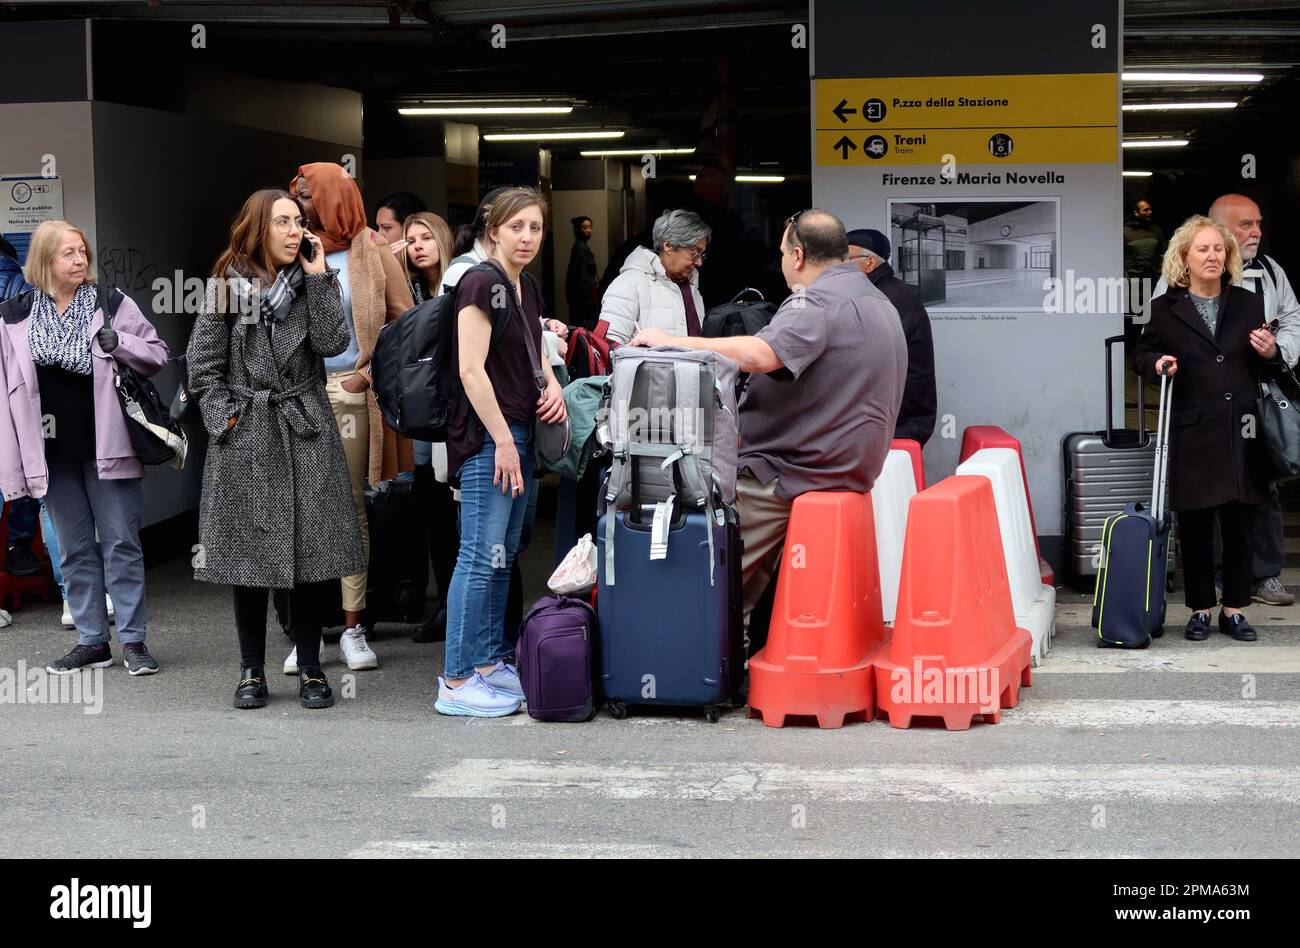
{"x": 986, "y": 146}
{"x": 978, "y": 120}
{"x": 1047, "y": 101}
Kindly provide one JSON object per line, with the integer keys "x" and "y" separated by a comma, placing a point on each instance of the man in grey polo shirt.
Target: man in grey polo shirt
{"x": 821, "y": 405}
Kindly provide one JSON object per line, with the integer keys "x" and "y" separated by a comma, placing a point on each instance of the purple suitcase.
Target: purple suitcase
{"x": 554, "y": 659}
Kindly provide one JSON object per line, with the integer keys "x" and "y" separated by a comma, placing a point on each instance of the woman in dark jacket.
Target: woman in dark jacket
{"x": 276, "y": 510}
{"x": 580, "y": 280}
{"x": 1209, "y": 332}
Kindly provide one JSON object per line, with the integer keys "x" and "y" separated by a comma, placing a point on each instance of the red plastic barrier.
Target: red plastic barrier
{"x": 956, "y": 652}
{"x": 976, "y": 437}
{"x": 13, "y": 589}
{"x": 914, "y": 449}
{"x": 826, "y": 619}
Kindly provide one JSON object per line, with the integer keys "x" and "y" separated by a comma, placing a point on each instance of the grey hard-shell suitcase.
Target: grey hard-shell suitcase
{"x": 1104, "y": 472}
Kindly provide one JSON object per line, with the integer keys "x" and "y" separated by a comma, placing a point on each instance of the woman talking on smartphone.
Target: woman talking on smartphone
{"x": 276, "y": 510}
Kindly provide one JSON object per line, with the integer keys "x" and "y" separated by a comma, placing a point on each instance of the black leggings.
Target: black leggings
{"x": 1196, "y": 528}
{"x": 304, "y": 606}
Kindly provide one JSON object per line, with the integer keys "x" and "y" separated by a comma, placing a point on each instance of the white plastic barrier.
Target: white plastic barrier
{"x": 889, "y": 499}
{"x": 1034, "y": 602}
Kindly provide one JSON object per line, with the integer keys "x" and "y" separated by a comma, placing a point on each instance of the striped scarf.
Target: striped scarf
{"x": 62, "y": 341}
{"x": 271, "y": 304}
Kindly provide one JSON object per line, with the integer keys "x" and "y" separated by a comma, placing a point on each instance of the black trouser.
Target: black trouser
{"x": 1266, "y": 539}
{"x": 1196, "y": 533}
{"x": 438, "y": 506}
{"x": 304, "y": 608}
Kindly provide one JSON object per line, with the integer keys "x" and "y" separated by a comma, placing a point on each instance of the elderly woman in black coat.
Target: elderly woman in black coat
{"x": 1209, "y": 332}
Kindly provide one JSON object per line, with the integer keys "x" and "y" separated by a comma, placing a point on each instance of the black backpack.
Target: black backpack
{"x": 411, "y": 367}
{"x": 738, "y": 318}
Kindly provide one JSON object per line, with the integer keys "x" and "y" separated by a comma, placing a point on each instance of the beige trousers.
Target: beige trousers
{"x": 353, "y": 420}
{"x": 764, "y": 519}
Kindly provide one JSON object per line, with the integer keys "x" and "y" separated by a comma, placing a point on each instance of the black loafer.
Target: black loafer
{"x": 251, "y": 692}
{"x": 313, "y": 689}
{"x": 1198, "y": 627}
{"x": 1237, "y": 626}
{"x": 435, "y": 630}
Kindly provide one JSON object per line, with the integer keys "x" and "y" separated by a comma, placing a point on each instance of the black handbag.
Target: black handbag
{"x": 155, "y": 437}
{"x": 1279, "y": 420}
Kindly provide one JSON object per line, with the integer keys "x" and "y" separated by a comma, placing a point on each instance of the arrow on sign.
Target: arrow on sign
{"x": 844, "y": 145}
{"x": 840, "y": 111}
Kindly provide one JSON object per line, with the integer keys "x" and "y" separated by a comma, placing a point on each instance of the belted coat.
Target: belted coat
{"x": 277, "y": 502}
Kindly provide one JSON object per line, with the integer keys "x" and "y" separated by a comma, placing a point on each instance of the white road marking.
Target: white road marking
{"x": 478, "y": 778}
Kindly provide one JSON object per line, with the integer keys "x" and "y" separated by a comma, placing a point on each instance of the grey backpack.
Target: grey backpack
{"x": 670, "y": 424}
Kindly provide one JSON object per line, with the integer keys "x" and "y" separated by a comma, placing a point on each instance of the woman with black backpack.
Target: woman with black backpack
{"x": 496, "y": 346}
{"x": 276, "y": 510}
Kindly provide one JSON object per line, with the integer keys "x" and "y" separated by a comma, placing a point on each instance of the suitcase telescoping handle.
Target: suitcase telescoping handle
{"x": 1164, "y": 414}
{"x": 1110, "y": 388}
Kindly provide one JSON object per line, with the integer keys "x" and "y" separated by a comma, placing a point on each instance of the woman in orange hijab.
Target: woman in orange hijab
{"x": 374, "y": 292}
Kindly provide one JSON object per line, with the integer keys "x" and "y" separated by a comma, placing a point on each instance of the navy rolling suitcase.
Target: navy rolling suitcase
{"x": 668, "y": 634}
{"x": 1128, "y": 605}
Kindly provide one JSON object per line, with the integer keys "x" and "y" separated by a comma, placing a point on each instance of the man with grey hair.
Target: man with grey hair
{"x": 660, "y": 288}
{"x": 827, "y": 382}
{"x": 1262, "y": 274}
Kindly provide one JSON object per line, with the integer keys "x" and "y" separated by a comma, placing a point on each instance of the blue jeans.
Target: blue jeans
{"x": 51, "y": 540}
{"x": 22, "y": 519}
{"x": 490, "y": 527}
{"x": 79, "y": 504}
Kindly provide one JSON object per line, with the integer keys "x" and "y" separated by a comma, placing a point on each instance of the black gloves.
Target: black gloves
{"x": 107, "y": 339}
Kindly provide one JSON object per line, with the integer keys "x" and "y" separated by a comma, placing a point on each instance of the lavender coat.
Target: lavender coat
{"x": 22, "y": 447}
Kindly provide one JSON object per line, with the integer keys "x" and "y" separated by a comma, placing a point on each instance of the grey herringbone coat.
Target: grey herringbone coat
{"x": 277, "y": 502}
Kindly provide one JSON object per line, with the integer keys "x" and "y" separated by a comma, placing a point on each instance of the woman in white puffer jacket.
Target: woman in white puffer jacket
{"x": 660, "y": 289}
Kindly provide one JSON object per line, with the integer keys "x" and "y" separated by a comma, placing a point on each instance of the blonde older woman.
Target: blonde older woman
{"x": 1209, "y": 332}
{"x": 63, "y": 437}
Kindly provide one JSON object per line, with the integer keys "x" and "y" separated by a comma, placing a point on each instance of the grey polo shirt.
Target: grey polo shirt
{"x": 825, "y": 420}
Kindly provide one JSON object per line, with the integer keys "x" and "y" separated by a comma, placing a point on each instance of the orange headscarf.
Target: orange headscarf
{"x": 337, "y": 200}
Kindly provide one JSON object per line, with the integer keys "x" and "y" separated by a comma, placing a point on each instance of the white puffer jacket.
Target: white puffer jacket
{"x": 643, "y": 297}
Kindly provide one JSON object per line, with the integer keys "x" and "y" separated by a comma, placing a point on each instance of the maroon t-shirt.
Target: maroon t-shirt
{"x": 509, "y": 364}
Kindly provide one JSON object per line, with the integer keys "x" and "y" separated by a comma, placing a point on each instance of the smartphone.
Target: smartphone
{"x": 306, "y": 249}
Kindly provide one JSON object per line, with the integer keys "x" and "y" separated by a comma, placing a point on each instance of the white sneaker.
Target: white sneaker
{"x": 291, "y": 663}
{"x": 475, "y": 699}
{"x": 354, "y": 650}
{"x": 112, "y": 613}
{"x": 67, "y": 620}
{"x": 505, "y": 679}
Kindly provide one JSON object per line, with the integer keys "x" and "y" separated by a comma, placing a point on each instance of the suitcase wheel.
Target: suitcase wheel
{"x": 616, "y": 709}
{"x": 712, "y": 714}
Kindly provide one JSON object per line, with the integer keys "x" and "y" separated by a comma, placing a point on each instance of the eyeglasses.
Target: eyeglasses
{"x": 282, "y": 224}
{"x": 793, "y": 223}
{"x": 696, "y": 254}
{"x": 1273, "y": 326}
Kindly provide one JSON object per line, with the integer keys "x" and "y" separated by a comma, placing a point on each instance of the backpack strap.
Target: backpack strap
{"x": 1268, "y": 268}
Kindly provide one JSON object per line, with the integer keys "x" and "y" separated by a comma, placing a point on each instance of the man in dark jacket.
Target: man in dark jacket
{"x": 580, "y": 280}
{"x": 869, "y": 249}
{"x": 11, "y": 272}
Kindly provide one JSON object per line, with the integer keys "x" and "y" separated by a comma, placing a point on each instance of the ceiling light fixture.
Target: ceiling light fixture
{"x": 1193, "y": 77}
{"x": 1154, "y": 142}
{"x": 754, "y": 178}
{"x": 634, "y": 152}
{"x": 1171, "y": 106}
{"x": 547, "y": 136}
{"x": 485, "y": 110}
{"x": 1137, "y": 174}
